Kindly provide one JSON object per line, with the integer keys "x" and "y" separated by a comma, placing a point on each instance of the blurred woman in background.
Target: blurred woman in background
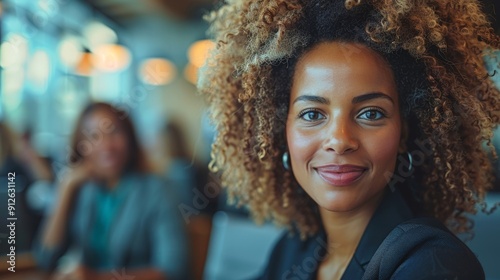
{"x": 111, "y": 209}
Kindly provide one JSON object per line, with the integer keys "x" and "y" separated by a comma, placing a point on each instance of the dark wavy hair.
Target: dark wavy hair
{"x": 435, "y": 49}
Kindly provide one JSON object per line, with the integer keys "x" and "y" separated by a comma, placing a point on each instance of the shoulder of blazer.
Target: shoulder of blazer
{"x": 423, "y": 248}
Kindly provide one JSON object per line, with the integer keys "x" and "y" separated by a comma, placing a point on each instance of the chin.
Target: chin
{"x": 109, "y": 171}
{"x": 338, "y": 202}
{"x": 338, "y": 207}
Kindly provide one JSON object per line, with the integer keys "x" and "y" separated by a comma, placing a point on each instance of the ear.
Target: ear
{"x": 404, "y": 137}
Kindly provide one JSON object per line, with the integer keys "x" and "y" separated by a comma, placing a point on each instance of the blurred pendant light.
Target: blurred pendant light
{"x": 97, "y": 34}
{"x": 157, "y": 71}
{"x": 198, "y": 52}
{"x": 111, "y": 58}
{"x": 197, "y": 55}
{"x": 191, "y": 73}
{"x": 13, "y": 51}
{"x": 11, "y": 86}
{"x": 84, "y": 66}
{"x": 39, "y": 69}
{"x": 70, "y": 51}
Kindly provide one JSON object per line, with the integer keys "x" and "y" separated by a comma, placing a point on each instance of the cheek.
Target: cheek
{"x": 302, "y": 146}
{"x": 93, "y": 150}
{"x": 121, "y": 144}
{"x": 383, "y": 149}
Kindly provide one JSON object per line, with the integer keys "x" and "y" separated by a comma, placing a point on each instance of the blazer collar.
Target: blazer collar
{"x": 392, "y": 211}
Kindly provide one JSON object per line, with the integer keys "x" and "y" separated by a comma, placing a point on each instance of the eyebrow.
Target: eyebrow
{"x": 371, "y": 95}
{"x": 312, "y": 98}
{"x": 355, "y": 100}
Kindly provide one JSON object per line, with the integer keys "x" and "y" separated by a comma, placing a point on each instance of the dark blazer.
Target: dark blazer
{"x": 395, "y": 245}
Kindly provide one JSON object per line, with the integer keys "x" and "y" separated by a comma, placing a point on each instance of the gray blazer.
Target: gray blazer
{"x": 148, "y": 231}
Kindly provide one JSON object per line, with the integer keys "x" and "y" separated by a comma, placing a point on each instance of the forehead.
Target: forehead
{"x": 98, "y": 116}
{"x": 349, "y": 66}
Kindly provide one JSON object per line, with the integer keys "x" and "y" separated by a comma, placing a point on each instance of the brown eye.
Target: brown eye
{"x": 372, "y": 114}
{"x": 311, "y": 115}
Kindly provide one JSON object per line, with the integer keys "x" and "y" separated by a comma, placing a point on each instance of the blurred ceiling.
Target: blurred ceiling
{"x": 124, "y": 11}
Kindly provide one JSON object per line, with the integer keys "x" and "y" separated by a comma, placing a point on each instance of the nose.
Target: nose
{"x": 106, "y": 143}
{"x": 341, "y": 137}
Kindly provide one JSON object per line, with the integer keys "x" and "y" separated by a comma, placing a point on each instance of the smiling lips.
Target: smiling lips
{"x": 340, "y": 175}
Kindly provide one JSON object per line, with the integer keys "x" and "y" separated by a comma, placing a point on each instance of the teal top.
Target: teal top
{"x": 107, "y": 207}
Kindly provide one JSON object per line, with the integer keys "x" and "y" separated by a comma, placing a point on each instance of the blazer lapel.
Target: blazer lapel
{"x": 392, "y": 211}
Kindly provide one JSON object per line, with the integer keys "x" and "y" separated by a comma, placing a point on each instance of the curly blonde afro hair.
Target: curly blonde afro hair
{"x": 436, "y": 49}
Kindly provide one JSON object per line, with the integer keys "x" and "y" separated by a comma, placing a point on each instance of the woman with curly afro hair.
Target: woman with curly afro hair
{"x": 363, "y": 126}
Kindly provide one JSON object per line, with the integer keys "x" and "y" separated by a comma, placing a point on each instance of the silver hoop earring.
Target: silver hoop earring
{"x": 410, "y": 159}
{"x": 285, "y": 160}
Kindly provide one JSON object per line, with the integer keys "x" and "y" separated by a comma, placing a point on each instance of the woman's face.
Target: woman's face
{"x": 344, "y": 126}
{"x": 109, "y": 144}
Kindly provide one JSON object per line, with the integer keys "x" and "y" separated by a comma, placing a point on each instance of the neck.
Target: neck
{"x": 345, "y": 229}
{"x": 111, "y": 182}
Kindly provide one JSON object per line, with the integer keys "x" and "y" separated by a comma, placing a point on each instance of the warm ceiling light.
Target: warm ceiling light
{"x": 98, "y": 34}
{"x": 70, "y": 51}
{"x": 39, "y": 68}
{"x": 13, "y": 51}
{"x": 12, "y": 80}
{"x": 12, "y": 84}
{"x": 157, "y": 71}
{"x": 191, "y": 73}
{"x": 111, "y": 58}
{"x": 84, "y": 66}
{"x": 198, "y": 52}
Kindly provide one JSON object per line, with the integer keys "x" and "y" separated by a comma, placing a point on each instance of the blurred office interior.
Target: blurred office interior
{"x": 142, "y": 57}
